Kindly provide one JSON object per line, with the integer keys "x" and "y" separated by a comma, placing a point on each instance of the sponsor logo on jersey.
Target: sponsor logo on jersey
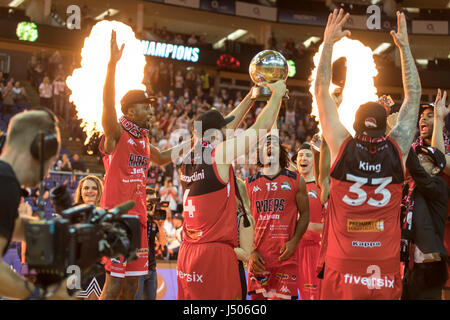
{"x": 194, "y": 277}
{"x": 364, "y": 244}
{"x": 313, "y": 194}
{"x": 138, "y": 161}
{"x": 256, "y": 189}
{"x": 370, "y": 282}
{"x": 270, "y": 205}
{"x": 195, "y": 177}
{"x": 285, "y": 186}
{"x": 269, "y": 216}
{"x": 365, "y": 166}
{"x": 142, "y": 253}
{"x": 282, "y": 276}
{"x": 365, "y": 225}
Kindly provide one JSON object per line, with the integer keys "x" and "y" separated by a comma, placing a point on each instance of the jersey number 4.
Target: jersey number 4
{"x": 188, "y": 207}
{"x": 362, "y": 195}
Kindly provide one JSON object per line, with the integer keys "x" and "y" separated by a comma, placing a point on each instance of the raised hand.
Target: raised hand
{"x": 333, "y": 30}
{"x": 116, "y": 53}
{"x": 401, "y": 36}
{"x": 440, "y": 109}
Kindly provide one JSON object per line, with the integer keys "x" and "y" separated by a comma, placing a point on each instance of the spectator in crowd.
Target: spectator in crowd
{"x": 21, "y": 94}
{"x": 77, "y": 164}
{"x": 46, "y": 93}
{"x": 169, "y": 193}
{"x": 8, "y": 96}
{"x": 59, "y": 97}
{"x": 173, "y": 245}
{"x": 89, "y": 191}
{"x": 64, "y": 164}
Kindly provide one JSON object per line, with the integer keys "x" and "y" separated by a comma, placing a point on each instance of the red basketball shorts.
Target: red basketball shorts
{"x": 275, "y": 283}
{"x": 122, "y": 268}
{"x": 207, "y": 271}
{"x": 307, "y": 281}
{"x": 352, "y": 286}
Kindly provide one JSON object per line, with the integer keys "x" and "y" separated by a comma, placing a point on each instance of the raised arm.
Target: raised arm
{"x": 324, "y": 171}
{"x": 162, "y": 158}
{"x": 403, "y": 133}
{"x": 229, "y": 150}
{"x": 240, "y": 111}
{"x": 333, "y": 130}
{"x": 110, "y": 125}
{"x": 440, "y": 113}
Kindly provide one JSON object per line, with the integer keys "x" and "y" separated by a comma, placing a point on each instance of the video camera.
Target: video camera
{"x": 80, "y": 236}
{"x": 157, "y": 205}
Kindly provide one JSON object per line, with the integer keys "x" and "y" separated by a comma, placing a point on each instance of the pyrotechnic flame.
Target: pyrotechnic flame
{"x": 87, "y": 82}
{"x": 359, "y": 86}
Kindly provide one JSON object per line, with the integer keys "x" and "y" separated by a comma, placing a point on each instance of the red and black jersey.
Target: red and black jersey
{"x": 126, "y": 170}
{"x": 274, "y": 208}
{"x": 208, "y": 202}
{"x": 364, "y": 206}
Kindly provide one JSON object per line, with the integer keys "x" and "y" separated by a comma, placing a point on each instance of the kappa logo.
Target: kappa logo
{"x": 285, "y": 289}
{"x": 256, "y": 189}
{"x": 371, "y": 123}
{"x": 131, "y": 141}
{"x": 286, "y": 186}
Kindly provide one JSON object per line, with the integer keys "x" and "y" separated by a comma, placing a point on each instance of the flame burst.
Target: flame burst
{"x": 86, "y": 83}
{"x": 359, "y": 86}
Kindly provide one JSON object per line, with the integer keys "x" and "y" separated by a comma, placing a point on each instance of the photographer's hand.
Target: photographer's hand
{"x": 59, "y": 291}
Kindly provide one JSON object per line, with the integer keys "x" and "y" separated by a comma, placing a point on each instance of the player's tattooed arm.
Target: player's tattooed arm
{"x": 403, "y": 133}
{"x": 302, "y": 202}
{"x": 333, "y": 130}
{"x": 110, "y": 125}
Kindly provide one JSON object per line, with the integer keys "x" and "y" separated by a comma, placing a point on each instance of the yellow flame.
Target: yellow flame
{"x": 359, "y": 86}
{"x": 87, "y": 82}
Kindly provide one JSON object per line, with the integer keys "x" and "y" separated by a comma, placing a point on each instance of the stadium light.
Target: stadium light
{"x": 310, "y": 41}
{"x": 422, "y": 62}
{"x": 102, "y": 15}
{"x": 15, "y": 3}
{"x": 382, "y": 47}
{"x": 232, "y": 36}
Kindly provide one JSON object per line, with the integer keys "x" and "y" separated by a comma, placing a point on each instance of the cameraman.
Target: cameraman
{"x": 20, "y": 166}
{"x": 148, "y": 283}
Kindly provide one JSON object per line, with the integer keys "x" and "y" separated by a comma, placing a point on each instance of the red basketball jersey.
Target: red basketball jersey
{"x": 364, "y": 206}
{"x": 208, "y": 202}
{"x": 274, "y": 209}
{"x": 315, "y": 211}
{"x": 126, "y": 170}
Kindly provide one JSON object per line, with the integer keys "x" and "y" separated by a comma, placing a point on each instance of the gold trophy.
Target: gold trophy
{"x": 268, "y": 66}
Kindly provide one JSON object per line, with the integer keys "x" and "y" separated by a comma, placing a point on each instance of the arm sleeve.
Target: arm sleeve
{"x": 427, "y": 185}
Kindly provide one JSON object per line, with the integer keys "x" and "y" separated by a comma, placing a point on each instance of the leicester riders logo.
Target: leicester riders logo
{"x": 313, "y": 194}
{"x": 285, "y": 186}
{"x": 371, "y": 123}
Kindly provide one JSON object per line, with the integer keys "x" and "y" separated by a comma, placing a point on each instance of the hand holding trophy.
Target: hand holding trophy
{"x": 268, "y": 66}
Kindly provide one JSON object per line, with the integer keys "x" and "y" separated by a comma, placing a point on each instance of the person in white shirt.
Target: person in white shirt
{"x": 46, "y": 93}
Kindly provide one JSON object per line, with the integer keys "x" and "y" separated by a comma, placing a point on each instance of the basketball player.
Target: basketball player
{"x": 309, "y": 246}
{"x": 127, "y": 156}
{"x": 207, "y": 266}
{"x": 440, "y": 141}
{"x": 367, "y": 173}
{"x": 276, "y": 196}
